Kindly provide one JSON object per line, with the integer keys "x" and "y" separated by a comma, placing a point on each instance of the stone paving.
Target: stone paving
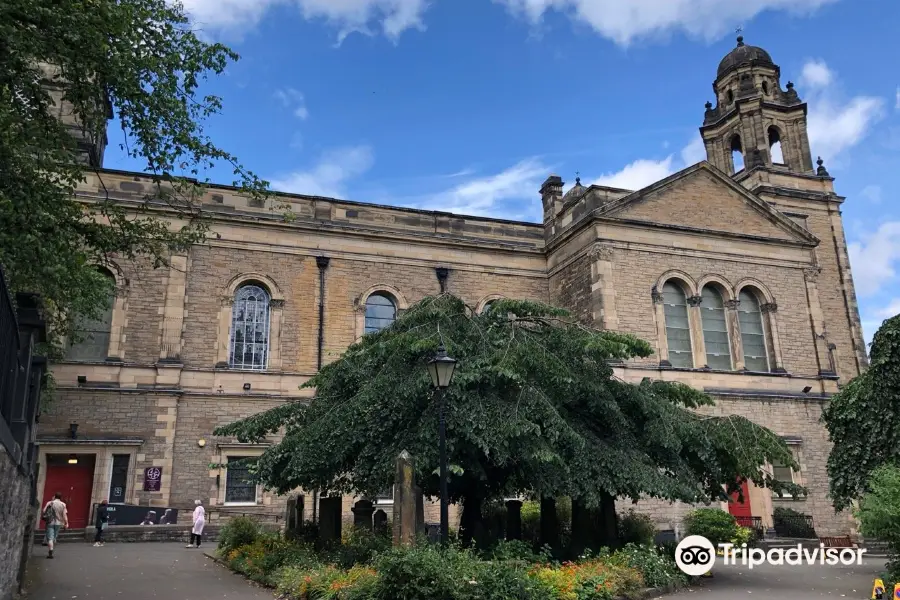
{"x": 138, "y": 571}
{"x": 787, "y": 582}
{"x": 169, "y": 571}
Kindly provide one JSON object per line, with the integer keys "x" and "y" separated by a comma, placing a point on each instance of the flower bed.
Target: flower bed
{"x": 364, "y": 567}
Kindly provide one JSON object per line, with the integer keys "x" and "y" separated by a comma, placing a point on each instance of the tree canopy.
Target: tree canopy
{"x": 534, "y": 408}
{"x": 137, "y": 60}
{"x": 862, "y": 419}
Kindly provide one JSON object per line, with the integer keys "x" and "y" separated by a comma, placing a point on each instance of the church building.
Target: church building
{"x": 734, "y": 269}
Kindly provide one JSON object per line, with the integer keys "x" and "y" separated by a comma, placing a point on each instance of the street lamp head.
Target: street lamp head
{"x": 441, "y": 368}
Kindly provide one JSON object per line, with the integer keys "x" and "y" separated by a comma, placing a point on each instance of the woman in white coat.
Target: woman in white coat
{"x": 199, "y": 522}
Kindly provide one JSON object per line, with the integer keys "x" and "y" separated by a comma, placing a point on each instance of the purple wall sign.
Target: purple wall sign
{"x": 152, "y": 479}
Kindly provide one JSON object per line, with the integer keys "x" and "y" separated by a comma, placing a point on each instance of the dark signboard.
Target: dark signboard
{"x": 152, "y": 479}
{"x": 126, "y": 514}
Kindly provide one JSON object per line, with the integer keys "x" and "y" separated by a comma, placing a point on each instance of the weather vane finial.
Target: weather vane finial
{"x": 739, "y": 30}
{"x": 577, "y": 177}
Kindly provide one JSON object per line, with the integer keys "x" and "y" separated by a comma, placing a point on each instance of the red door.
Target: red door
{"x": 75, "y": 483}
{"x": 741, "y": 510}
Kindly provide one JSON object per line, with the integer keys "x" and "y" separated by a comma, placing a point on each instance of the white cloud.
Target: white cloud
{"x": 511, "y": 193}
{"x": 816, "y": 74}
{"x": 897, "y": 103}
{"x": 874, "y": 259}
{"x": 891, "y": 310}
{"x": 294, "y": 100}
{"x": 834, "y": 125}
{"x": 638, "y": 174}
{"x": 624, "y": 21}
{"x": 872, "y": 193}
{"x": 643, "y": 172}
{"x": 235, "y": 17}
{"x": 330, "y": 175}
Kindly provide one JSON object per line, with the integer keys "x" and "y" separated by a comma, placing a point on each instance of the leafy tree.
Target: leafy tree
{"x": 66, "y": 67}
{"x": 879, "y": 514}
{"x": 534, "y": 408}
{"x": 862, "y": 419}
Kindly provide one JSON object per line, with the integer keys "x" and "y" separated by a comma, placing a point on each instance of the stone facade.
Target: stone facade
{"x": 15, "y": 496}
{"x": 772, "y": 231}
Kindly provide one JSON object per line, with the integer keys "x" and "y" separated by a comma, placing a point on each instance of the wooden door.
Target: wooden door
{"x": 76, "y": 483}
{"x": 741, "y": 510}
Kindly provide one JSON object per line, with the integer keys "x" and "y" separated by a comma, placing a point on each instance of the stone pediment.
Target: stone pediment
{"x": 701, "y": 197}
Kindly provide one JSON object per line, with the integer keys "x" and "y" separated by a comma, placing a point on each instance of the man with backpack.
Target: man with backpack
{"x": 56, "y": 517}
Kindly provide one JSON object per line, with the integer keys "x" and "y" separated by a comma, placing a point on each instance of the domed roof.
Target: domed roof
{"x": 744, "y": 55}
{"x": 577, "y": 190}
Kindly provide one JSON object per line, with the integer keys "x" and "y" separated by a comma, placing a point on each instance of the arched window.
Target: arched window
{"x": 250, "y": 328}
{"x": 90, "y": 339}
{"x": 488, "y": 306}
{"x": 765, "y": 87}
{"x": 381, "y": 311}
{"x": 775, "y": 146}
{"x": 730, "y": 96}
{"x": 715, "y": 329}
{"x": 678, "y": 332}
{"x": 737, "y": 153}
{"x": 753, "y": 336}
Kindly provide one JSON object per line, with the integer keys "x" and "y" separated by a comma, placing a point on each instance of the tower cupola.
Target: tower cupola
{"x": 755, "y": 123}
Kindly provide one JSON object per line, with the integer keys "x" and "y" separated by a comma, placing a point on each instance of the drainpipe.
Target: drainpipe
{"x": 322, "y": 263}
{"x": 442, "y": 273}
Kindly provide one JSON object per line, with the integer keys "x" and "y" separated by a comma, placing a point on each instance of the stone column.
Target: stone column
{"x": 817, "y": 319}
{"x": 173, "y": 315}
{"x": 696, "y": 322}
{"x": 773, "y": 341}
{"x": 514, "y": 519}
{"x": 662, "y": 339}
{"x": 603, "y": 295}
{"x": 404, "y": 501}
{"x": 734, "y": 332}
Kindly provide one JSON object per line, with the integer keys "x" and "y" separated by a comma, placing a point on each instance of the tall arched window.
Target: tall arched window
{"x": 250, "y": 328}
{"x": 381, "y": 311}
{"x": 753, "y": 336}
{"x": 90, "y": 340}
{"x": 775, "y": 146}
{"x": 678, "y": 332}
{"x": 715, "y": 329}
{"x": 737, "y": 153}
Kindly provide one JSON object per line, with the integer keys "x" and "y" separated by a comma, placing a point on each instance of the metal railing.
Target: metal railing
{"x": 754, "y": 523}
{"x": 794, "y": 526}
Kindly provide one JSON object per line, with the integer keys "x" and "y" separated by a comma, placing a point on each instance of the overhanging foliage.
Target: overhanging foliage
{"x": 862, "y": 419}
{"x": 534, "y": 408}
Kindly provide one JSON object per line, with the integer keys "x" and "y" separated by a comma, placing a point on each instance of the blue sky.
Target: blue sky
{"x": 467, "y": 105}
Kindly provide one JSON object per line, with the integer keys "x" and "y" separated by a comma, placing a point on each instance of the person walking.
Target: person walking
{"x": 102, "y": 521}
{"x": 57, "y": 518}
{"x": 199, "y": 522}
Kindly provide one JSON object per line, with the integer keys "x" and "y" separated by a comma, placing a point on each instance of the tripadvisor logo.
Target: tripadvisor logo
{"x": 695, "y": 555}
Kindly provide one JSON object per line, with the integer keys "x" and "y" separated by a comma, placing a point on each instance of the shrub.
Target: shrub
{"x": 360, "y": 546}
{"x": 791, "y": 523}
{"x": 327, "y": 582}
{"x": 879, "y": 516}
{"x": 514, "y": 550}
{"x": 239, "y": 531}
{"x": 264, "y": 557}
{"x": 716, "y": 525}
{"x": 657, "y": 569}
{"x": 594, "y": 579}
{"x": 636, "y": 528}
{"x": 425, "y": 572}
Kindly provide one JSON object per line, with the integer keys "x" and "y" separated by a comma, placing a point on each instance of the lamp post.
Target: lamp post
{"x": 441, "y": 369}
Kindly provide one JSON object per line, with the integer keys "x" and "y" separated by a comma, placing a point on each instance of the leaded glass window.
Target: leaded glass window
{"x": 380, "y": 312}
{"x": 715, "y": 330}
{"x": 91, "y": 336}
{"x": 678, "y": 331}
{"x": 250, "y": 329}
{"x": 238, "y": 485}
{"x": 753, "y": 336}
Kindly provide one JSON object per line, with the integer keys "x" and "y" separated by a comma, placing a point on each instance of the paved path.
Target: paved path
{"x": 148, "y": 571}
{"x": 788, "y": 583}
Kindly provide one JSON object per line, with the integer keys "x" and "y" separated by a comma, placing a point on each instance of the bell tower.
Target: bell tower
{"x": 754, "y": 122}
